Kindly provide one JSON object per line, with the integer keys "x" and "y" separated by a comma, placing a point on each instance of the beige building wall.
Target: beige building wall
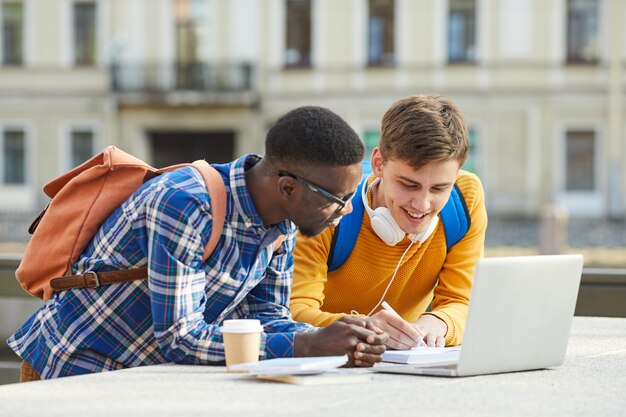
{"x": 520, "y": 98}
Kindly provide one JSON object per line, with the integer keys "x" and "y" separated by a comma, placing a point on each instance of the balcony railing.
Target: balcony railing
{"x": 196, "y": 77}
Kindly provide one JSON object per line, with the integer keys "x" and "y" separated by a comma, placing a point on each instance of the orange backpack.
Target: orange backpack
{"x": 82, "y": 199}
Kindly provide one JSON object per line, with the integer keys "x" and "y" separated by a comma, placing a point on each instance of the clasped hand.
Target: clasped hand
{"x": 360, "y": 340}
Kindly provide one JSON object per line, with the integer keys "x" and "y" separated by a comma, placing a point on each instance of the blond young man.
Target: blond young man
{"x": 423, "y": 144}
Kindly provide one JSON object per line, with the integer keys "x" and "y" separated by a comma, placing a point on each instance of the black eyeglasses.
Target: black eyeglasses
{"x": 341, "y": 202}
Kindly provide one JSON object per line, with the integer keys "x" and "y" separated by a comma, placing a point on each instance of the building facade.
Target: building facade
{"x": 541, "y": 83}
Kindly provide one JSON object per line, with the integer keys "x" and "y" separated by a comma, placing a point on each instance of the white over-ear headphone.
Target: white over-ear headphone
{"x": 382, "y": 221}
{"x": 386, "y": 227}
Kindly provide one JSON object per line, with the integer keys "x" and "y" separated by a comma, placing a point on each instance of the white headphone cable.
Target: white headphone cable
{"x": 392, "y": 278}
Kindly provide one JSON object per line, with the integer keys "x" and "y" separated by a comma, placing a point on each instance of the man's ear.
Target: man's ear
{"x": 377, "y": 162}
{"x": 286, "y": 186}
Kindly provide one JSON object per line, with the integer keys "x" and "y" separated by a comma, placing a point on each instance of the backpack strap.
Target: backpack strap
{"x": 217, "y": 192}
{"x": 454, "y": 216}
{"x": 345, "y": 234}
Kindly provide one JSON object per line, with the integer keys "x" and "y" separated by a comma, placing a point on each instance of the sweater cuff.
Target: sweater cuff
{"x": 279, "y": 345}
{"x": 451, "y": 333}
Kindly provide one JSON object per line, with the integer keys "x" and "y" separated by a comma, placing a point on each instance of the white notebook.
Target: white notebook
{"x": 292, "y": 366}
{"x": 424, "y": 355}
{"x": 334, "y": 376}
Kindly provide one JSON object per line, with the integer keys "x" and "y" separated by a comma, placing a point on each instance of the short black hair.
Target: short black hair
{"x": 312, "y": 135}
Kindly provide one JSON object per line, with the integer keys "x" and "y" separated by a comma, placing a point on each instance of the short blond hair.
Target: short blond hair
{"x": 422, "y": 129}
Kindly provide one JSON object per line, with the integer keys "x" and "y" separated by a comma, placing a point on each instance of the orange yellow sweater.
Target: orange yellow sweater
{"x": 429, "y": 273}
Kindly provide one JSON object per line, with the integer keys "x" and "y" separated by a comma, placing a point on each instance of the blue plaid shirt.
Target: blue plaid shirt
{"x": 174, "y": 315}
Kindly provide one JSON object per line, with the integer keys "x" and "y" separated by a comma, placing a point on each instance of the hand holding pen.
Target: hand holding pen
{"x": 387, "y": 307}
{"x": 402, "y": 334}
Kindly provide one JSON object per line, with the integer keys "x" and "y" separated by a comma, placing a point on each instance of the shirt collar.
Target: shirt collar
{"x": 243, "y": 200}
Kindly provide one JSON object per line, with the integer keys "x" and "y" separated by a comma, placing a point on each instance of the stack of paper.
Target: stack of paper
{"x": 424, "y": 355}
{"x": 293, "y": 366}
{"x": 319, "y": 370}
{"x": 335, "y": 376}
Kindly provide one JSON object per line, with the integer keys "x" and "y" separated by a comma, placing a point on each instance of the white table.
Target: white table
{"x": 591, "y": 382}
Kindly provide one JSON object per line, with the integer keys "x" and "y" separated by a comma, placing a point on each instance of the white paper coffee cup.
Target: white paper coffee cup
{"x": 242, "y": 341}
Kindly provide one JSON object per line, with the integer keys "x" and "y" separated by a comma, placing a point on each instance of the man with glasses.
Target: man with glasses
{"x": 400, "y": 254}
{"x": 341, "y": 202}
{"x": 310, "y": 171}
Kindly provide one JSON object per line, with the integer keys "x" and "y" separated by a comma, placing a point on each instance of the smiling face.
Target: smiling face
{"x": 413, "y": 196}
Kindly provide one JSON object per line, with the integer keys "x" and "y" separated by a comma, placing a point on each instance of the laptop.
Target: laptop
{"x": 519, "y": 317}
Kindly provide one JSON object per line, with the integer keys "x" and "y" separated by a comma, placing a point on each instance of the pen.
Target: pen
{"x": 387, "y": 307}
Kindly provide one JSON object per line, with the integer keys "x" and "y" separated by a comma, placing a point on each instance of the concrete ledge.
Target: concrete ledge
{"x": 602, "y": 290}
{"x": 602, "y": 293}
{"x": 9, "y": 287}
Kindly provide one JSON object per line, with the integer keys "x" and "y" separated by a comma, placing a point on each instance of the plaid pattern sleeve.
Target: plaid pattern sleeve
{"x": 175, "y": 315}
{"x": 269, "y": 302}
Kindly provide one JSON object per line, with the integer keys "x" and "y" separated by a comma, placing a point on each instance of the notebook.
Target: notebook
{"x": 519, "y": 317}
{"x": 332, "y": 377}
{"x": 292, "y": 366}
{"x": 424, "y": 355}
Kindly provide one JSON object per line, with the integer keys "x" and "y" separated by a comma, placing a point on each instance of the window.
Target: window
{"x": 82, "y": 142}
{"x": 582, "y": 31}
{"x": 14, "y": 156}
{"x": 370, "y": 140}
{"x": 12, "y": 33}
{"x": 580, "y": 148}
{"x": 380, "y": 33}
{"x": 471, "y": 163}
{"x": 85, "y": 33}
{"x": 298, "y": 42}
{"x": 462, "y": 31}
{"x": 191, "y": 27}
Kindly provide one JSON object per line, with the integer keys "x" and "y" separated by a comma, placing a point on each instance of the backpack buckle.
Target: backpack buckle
{"x": 95, "y": 283}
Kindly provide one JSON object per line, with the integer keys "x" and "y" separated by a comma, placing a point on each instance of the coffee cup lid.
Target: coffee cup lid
{"x": 241, "y": 326}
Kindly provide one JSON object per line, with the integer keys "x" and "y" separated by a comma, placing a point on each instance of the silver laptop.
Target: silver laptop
{"x": 519, "y": 317}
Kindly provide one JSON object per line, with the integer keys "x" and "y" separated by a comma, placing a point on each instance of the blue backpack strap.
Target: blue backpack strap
{"x": 455, "y": 217}
{"x": 345, "y": 234}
